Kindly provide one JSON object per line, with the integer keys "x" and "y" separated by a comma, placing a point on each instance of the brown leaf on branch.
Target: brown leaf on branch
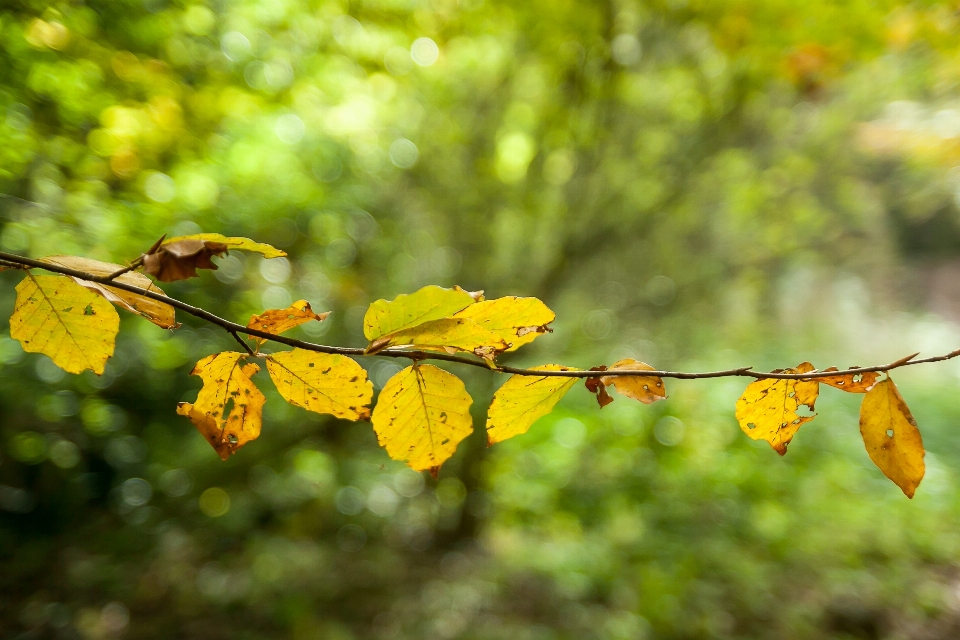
{"x": 180, "y": 260}
{"x": 646, "y": 389}
{"x": 596, "y": 387}
{"x": 276, "y": 321}
{"x": 851, "y": 383}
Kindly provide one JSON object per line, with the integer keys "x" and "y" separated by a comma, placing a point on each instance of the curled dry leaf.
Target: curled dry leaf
{"x": 159, "y": 313}
{"x": 448, "y": 335}
{"x": 517, "y": 320}
{"x": 229, "y": 408}
{"x": 276, "y": 321}
{"x": 596, "y": 387}
{"x": 422, "y": 415}
{"x": 891, "y": 436}
{"x": 851, "y": 383}
{"x": 522, "y": 400}
{"x": 322, "y": 383}
{"x": 232, "y": 243}
{"x": 55, "y": 316}
{"x": 646, "y": 389}
{"x": 409, "y": 310}
{"x": 180, "y": 260}
{"x": 767, "y": 410}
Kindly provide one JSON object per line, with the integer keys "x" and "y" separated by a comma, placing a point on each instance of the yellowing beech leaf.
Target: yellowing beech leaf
{"x": 516, "y": 320}
{"x": 243, "y": 244}
{"x": 852, "y": 383}
{"x": 449, "y": 335}
{"x": 55, "y": 316}
{"x": 322, "y": 383}
{"x": 276, "y": 321}
{"x": 891, "y": 436}
{"x": 767, "y": 410}
{"x": 522, "y": 400}
{"x": 422, "y": 415}
{"x": 408, "y": 310}
{"x": 646, "y": 389}
{"x": 229, "y": 408}
{"x": 159, "y": 313}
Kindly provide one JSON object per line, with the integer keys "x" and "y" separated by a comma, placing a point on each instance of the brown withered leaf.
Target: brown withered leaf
{"x": 276, "y": 321}
{"x": 646, "y": 389}
{"x": 596, "y": 387}
{"x": 180, "y": 260}
{"x": 851, "y": 383}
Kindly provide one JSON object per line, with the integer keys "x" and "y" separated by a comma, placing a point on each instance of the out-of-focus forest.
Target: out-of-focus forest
{"x": 695, "y": 183}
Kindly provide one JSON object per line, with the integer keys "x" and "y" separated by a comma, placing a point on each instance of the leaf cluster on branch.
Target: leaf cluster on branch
{"x": 423, "y": 411}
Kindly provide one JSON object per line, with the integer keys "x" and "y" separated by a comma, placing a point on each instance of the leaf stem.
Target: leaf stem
{"x": 418, "y": 355}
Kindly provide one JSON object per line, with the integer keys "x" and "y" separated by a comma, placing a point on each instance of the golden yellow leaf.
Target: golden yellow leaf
{"x": 322, "y": 383}
{"x": 646, "y": 389}
{"x": 229, "y": 408}
{"x": 409, "y": 310}
{"x": 767, "y": 410}
{"x": 159, "y": 313}
{"x": 522, "y": 400}
{"x": 55, "y": 316}
{"x": 891, "y": 436}
{"x": 422, "y": 415}
{"x": 516, "y": 320}
{"x": 276, "y": 321}
{"x": 851, "y": 383}
{"x": 243, "y": 244}
{"x": 449, "y": 335}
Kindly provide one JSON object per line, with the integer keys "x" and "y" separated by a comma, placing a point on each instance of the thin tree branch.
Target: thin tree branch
{"x": 243, "y": 343}
{"x": 119, "y": 272}
{"x": 235, "y": 329}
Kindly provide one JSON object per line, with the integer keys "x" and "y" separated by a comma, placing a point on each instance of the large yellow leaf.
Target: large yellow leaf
{"x": 408, "y": 310}
{"x": 646, "y": 389}
{"x": 891, "y": 436}
{"x": 516, "y": 320}
{"x": 852, "y": 382}
{"x": 229, "y": 408}
{"x": 243, "y": 244}
{"x": 158, "y": 313}
{"x": 276, "y": 321}
{"x": 767, "y": 410}
{"x": 449, "y": 335}
{"x": 522, "y": 400}
{"x": 422, "y": 415}
{"x": 322, "y": 383}
{"x": 55, "y": 316}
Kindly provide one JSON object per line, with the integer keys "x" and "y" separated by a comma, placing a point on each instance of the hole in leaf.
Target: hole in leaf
{"x": 858, "y": 377}
{"x": 889, "y": 433}
{"x": 791, "y": 394}
{"x": 750, "y": 425}
{"x": 88, "y": 311}
{"x": 227, "y": 408}
{"x": 232, "y": 438}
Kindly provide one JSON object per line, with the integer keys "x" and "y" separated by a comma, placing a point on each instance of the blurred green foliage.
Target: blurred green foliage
{"x": 695, "y": 183}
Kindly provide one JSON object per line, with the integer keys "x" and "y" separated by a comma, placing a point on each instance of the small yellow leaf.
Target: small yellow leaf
{"x": 322, "y": 383}
{"x": 851, "y": 383}
{"x": 767, "y": 410}
{"x": 422, "y": 415}
{"x": 522, "y": 400}
{"x": 229, "y": 408}
{"x": 646, "y": 389}
{"x": 891, "y": 436}
{"x": 158, "y": 313}
{"x": 276, "y": 321}
{"x": 449, "y": 335}
{"x": 55, "y": 316}
{"x": 516, "y": 320}
{"x": 409, "y": 310}
{"x": 243, "y": 244}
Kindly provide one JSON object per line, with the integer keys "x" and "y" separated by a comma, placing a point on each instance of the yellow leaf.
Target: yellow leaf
{"x": 767, "y": 410}
{"x": 891, "y": 436}
{"x": 55, "y": 316}
{"x": 422, "y": 415}
{"x": 516, "y": 320}
{"x": 408, "y": 310}
{"x": 229, "y": 408}
{"x": 646, "y": 389}
{"x": 159, "y": 313}
{"x": 851, "y": 383}
{"x": 449, "y": 335}
{"x": 243, "y": 244}
{"x": 276, "y": 321}
{"x": 322, "y": 383}
{"x": 522, "y": 400}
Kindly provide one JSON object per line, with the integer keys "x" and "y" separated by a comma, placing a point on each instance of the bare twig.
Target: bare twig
{"x": 235, "y": 329}
{"x": 243, "y": 343}
{"x": 119, "y": 272}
